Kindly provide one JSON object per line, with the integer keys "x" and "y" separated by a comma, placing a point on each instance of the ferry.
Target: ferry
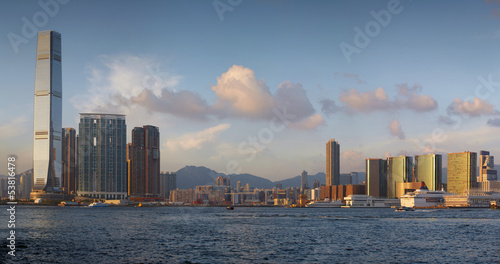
{"x": 423, "y": 198}
{"x": 97, "y": 204}
{"x": 367, "y": 201}
{"x": 325, "y": 204}
{"x": 67, "y": 203}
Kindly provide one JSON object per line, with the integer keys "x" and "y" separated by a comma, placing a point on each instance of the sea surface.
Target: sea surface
{"x": 250, "y": 235}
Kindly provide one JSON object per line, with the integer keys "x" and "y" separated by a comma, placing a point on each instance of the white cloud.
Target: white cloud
{"x": 309, "y": 123}
{"x": 395, "y": 129}
{"x": 378, "y": 100}
{"x": 476, "y": 107}
{"x": 196, "y": 140}
{"x": 121, "y": 83}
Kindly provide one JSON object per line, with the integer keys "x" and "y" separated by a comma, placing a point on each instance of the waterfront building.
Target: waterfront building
{"x": 222, "y": 181}
{"x": 182, "y": 196}
{"x": 406, "y": 187}
{"x": 102, "y": 169}
{"x": 332, "y": 163}
{"x": 376, "y": 177}
{"x": 399, "y": 169}
{"x": 168, "y": 182}
{"x": 487, "y": 172}
{"x": 143, "y": 159}
{"x": 359, "y": 200}
{"x": 303, "y": 180}
{"x": 428, "y": 169}
{"x": 238, "y": 186}
{"x": 471, "y": 199}
{"x": 462, "y": 172}
{"x": 47, "y": 119}
{"x": 69, "y": 160}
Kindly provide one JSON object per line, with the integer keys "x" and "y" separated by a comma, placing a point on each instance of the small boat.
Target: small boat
{"x": 97, "y": 204}
{"x": 65, "y": 203}
{"x": 404, "y": 209}
{"x": 230, "y": 207}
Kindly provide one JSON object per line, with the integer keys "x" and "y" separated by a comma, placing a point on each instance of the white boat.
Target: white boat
{"x": 366, "y": 201}
{"x": 423, "y": 197}
{"x": 325, "y": 204}
{"x": 97, "y": 204}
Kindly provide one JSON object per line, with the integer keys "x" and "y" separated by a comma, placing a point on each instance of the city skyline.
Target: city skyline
{"x": 215, "y": 102}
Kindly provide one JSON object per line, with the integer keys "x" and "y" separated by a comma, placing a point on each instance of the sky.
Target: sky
{"x": 260, "y": 86}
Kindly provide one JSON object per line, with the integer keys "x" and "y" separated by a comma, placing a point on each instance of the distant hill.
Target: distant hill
{"x": 296, "y": 181}
{"x": 192, "y": 176}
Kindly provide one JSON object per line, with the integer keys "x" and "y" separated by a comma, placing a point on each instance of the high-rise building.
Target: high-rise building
{"x": 399, "y": 169}
{"x": 69, "y": 160}
{"x": 144, "y": 161}
{"x": 303, "y": 180}
{"x": 47, "y": 117}
{"x": 238, "y": 186}
{"x": 332, "y": 163}
{"x": 376, "y": 177}
{"x": 26, "y": 184}
{"x": 316, "y": 184}
{"x": 222, "y": 181}
{"x": 102, "y": 156}
{"x": 487, "y": 170}
{"x": 168, "y": 182}
{"x": 428, "y": 169}
{"x": 462, "y": 172}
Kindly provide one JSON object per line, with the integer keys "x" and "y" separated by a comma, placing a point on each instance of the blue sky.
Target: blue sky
{"x": 426, "y": 81}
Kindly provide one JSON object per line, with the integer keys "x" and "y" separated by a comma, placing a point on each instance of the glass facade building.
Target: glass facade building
{"x": 462, "y": 169}
{"x": 399, "y": 169}
{"x": 102, "y": 168}
{"x": 332, "y": 163}
{"x": 376, "y": 178}
{"x": 47, "y": 114}
{"x": 428, "y": 169}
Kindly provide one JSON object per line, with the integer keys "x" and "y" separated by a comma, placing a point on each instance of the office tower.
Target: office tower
{"x": 279, "y": 186}
{"x": 303, "y": 180}
{"x": 102, "y": 156}
{"x": 376, "y": 177}
{"x": 428, "y": 169}
{"x": 222, "y": 181}
{"x": 487, "y": 170}
{"x": 354, "y": 178}
{"x": 47, "y": 117}
{"x": 168, "y": 182}
{"x": 26, "y": 184}
{"x": 399, "y": 169}
{"x": 332, "y": 163}
{"x": 69, "y": 160}
{"x": 238, "y": 186}
{"x": 316, "y": 184}
{"x": 144, "y": 161}
{"x": 462, "y": 172}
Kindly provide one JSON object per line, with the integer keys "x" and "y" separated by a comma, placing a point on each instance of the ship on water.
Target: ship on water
{"x": 423, "y": 197}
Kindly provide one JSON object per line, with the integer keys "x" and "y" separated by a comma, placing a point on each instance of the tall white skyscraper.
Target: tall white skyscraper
{"x": 47, "y": 115}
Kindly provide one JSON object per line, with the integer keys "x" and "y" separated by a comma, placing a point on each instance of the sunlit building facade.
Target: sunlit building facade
{"x": 102, "y": 156}
{"x": 428, "y": 169}
{"x": 462, "y": 169}
{"x": 47, "y": 115}
{"x": 332, "y": 163}
{"x": 399, "y": 169}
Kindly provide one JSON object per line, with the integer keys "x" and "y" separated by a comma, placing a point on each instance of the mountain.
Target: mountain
{"x": 192, "y": 176}
{"x": 296, "y": 181}
{"x": 254, "y": 181}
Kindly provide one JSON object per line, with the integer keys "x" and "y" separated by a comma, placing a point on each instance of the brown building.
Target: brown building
{"x": 69, "y": 160}
{"x": 143, "y": 157}
{"x": 332, "y": 163}
{"x": 338, "y": 192}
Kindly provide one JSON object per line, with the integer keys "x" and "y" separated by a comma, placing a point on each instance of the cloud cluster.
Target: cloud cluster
{"x": 395, "y": 129}
{"x": 476, "y": 107}
{"x": 196, "y": 140}
{"x": 329, "y": 107}
{"x": 495, "y": 122}
{"x": 122, "y": 82}
{"x": 377, "y": 100}
{"x": 348, "y": 75}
